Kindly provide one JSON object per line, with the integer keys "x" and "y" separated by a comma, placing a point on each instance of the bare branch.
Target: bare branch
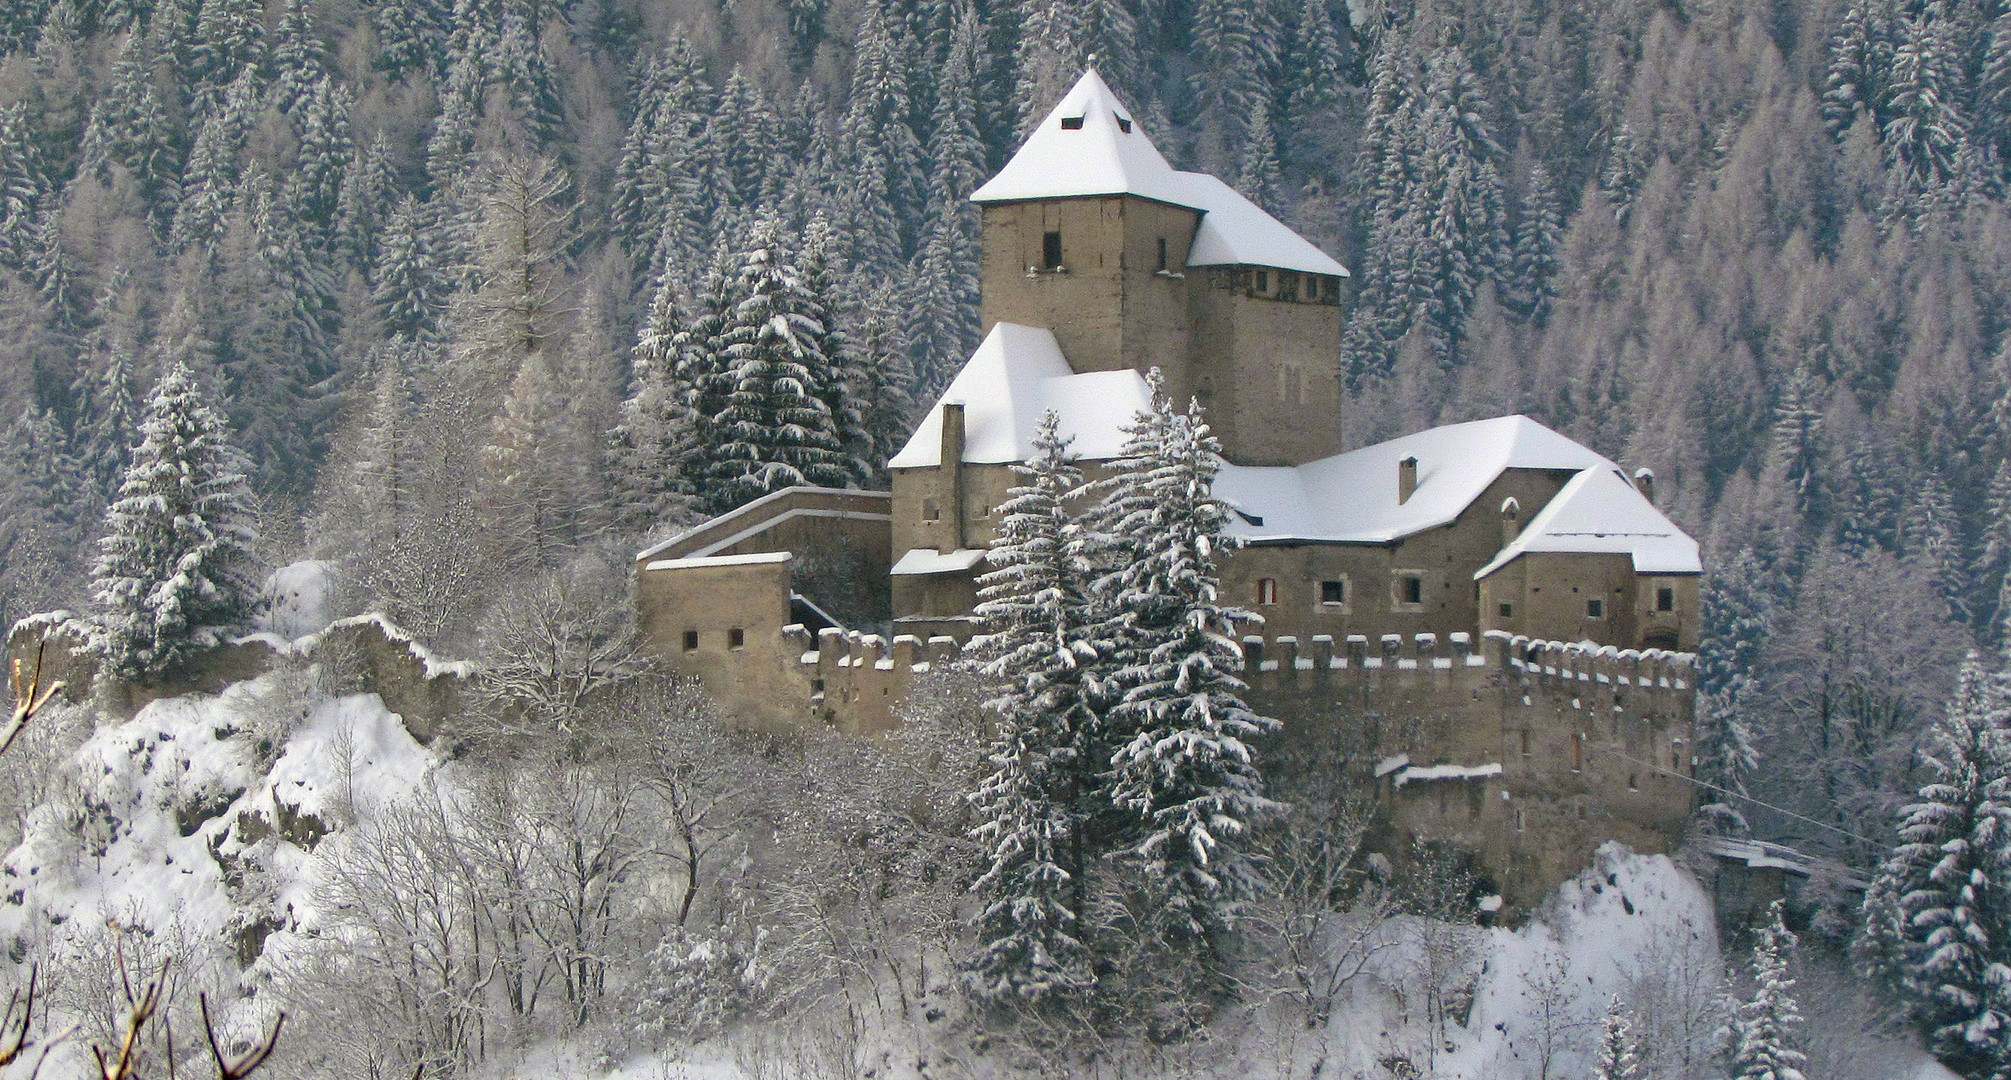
{"x": 243, "y": 1067}
{"x": 30, "y": 696}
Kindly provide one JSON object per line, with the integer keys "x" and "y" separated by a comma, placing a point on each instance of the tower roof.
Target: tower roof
{"x": 1090, "y": 144}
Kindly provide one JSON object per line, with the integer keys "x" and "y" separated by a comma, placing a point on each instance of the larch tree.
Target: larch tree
{"x": 1182, "y": 759}
{"x": 173, "y": 576}
{"x": 1045, "y": 754}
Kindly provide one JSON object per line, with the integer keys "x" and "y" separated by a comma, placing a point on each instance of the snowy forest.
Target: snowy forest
{"x": 461, "y": 304}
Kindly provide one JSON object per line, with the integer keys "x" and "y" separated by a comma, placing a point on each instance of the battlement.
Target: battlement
{"x": 850, "y": 669}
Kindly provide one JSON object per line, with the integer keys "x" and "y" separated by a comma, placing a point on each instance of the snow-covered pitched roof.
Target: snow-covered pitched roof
{"x": 1600, "y": 511}
{"x": 1352, "y": 497}
{"x": 1015, "y": 376}
{"x": 1101, "y": 150}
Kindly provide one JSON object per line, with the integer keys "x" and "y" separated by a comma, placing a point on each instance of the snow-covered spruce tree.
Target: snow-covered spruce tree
{"x": 651, "y": 444}
{"x": 1761, "y": 1035}
{"x": 1617, "y": 1055}
{"x": 1033, "y": 807}
{"x": 779, "y": 425}
{"x": 1180, "y": 730}
{"x": 1938, "y": 916}
{"x": 173, "y": 576}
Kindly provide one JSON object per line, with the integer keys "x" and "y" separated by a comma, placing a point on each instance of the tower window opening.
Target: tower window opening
{"x": 690, "y": 640}
{"x": 1267, "y": 590}
{"x": 1595, "y": 609}
{"x": 1050, "y": 250}
{"x": 1162, "y": 253}
{"x": 931, "y": 510}
{"x": 1665, "y": 599}
{"x": 735, "y": 638}
{"x": 1071, "y": 123}
{"x": 1411, "y": 588}
{"x": 1525, "y": 742}
{"x": 1508, "y": 611}
{"x": 1333, "y": 592}
{"x": 1577, "y": 751}
{"x": 1123, "y": 123}
{"x": 1264, "y": 282}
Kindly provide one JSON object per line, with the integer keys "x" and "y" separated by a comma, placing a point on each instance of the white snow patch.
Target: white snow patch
{"x": 931, "y": 561}
{"x": 756, "y": 559}
{"x": 1421, "y": 773}
{"x": 296, "y": 600}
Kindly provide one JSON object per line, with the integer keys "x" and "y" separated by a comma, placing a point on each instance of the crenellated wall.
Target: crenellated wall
{"x": 1528, "y": 753}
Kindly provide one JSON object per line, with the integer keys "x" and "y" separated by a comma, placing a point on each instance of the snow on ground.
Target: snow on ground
{"x": 196, "y": 796}
{"x": 296, "y": 600}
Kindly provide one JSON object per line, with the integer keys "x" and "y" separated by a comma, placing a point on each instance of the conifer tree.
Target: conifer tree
{"x": 1617, "y": 1054}
{"x": 23, "y": 181}
{"x": 173, "y": 576}
{"x": 1763, "y": 1031}
{"x": 1045, "y": 754}
{"x": 1859, "y": 56}
{"x": 1924, "y": 128}
{"x": 1259, "y": 177}
{"x": 1182, "y": 760}
{"x": 406, "y": 284}
{"x": 1536, "y": 246}
{"x": 1314, "y": 66}
{"x": 654, "y": 442}
{"x": 883, "y": 380}
{"x": 1939, "y": 911}
{"x": 781, "y": 420}
{"x": 296, "y": 57}
{"x": 128, "y": 128}
{"x": 326, "y": 149}
{"x": 1049, "y": 55}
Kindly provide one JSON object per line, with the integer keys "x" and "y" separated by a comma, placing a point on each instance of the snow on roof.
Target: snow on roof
{"x": 1600, "y": 511}
{"x": 1090, "y": 144}
{"x": 1015, "y": 376}
{"x": 1352, "y": 497}
{"x": 930, "y": 561}
{"x": 755, "y": 559}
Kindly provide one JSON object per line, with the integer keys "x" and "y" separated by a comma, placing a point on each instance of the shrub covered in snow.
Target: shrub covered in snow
{"x": 692, "y": 986}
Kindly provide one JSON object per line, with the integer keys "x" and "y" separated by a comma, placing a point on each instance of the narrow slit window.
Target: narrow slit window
{"x": 1263, "y": 281}
{"x": 1665, "y": 599}
{"x": 1071, "y": 123}
{"x": 1525, "y": 742}
{"x": 1050, "y": 250}
{"x": 1577, "y": 752}
{"x": 1267, "y": 590}
{"x": 1162, "y": 253}
{"x": 1413, "y": 589}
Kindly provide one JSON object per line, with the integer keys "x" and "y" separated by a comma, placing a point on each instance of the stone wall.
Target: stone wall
{"x": 422, "y": 689}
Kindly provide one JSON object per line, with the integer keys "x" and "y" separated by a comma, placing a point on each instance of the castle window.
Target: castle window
{"x": 1333, "y": 592}
{"x": 1595, "y": 609}
{"x": 1474, "y": 791}
{"x": 931, "y": 510}
{"x": 1071, "y": 123}
{"x": 1162, "y": 253}
{"x": 1665, "y": 599}
{"x": 1411, "y": 588}
{"x": 1123, "y": 123}
{"x": 1507, "y": 610}
{"x": 1632, "y": 782}
{"x": 1312, "y": 287}
{"x": 735, "y": 638}
{"x": 1264, "y": 281}
{"x": 1267, "y": 590}
{"x": 1519, "y": 819}
{"x": 1577, "y": 751}
{"x": 1050, "y": 250}
{"x": 1288, "y": 287}
{"x": 1525, "y": 742}
{"x": 690, "y": 640}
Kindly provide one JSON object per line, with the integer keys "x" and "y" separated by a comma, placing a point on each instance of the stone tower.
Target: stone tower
{"x": 1131, "y": 263}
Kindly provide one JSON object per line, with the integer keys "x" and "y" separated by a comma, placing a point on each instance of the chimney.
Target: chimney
{"x": 1644, "y": 482}
{"x": 1511, "y": 520}
{"x": 953, "y": 476}
{"x": 1406, "y": 479}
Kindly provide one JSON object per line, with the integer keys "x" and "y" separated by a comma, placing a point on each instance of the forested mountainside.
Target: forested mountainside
{"x": 460, "y": 276}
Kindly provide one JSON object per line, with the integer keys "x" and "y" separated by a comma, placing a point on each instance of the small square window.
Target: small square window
{"x": 735, "y": 638}
{"x": 1413, "y": 589}
{"x": 690, "y": 640}
{"x": 1333, "y": 592}
{"x": 1595, "y": 609}
{"x": 1050, "y": 250}
{"x": 931, "y": 510}
{"x": 1267, "y": 590}
{"x": 1507, "y": 611}
{"x": 1665, "y": 599}
{"x": 1071, "y": 123}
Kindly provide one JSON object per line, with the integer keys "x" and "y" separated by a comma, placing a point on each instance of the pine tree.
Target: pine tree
{"x": 1941, "y": 905}
{"x": 1536, "y": 246}
{"x": 781, "y": 420}
{"x": 406, "y": 284}
{"x": 23, "y": 184}
{"x": 1182, "y": 762}
{"x": 1925, "y": 127}
{"x": 883, "y": 380}
{"x": 1259, "y": 177}
{"x": 297, "y": 70}
{"x": 877, "y": 137}
{"x": 327, "y": 147}
{"x": 411, "y": 38}
{"x": 1620, "y": 178}
{"x": 1034, "y": 807}
{"x": 1048, "y": 57}
{"x": 1762, "y": 1033}
{"x": 1741, "y": 602}
{"x": 1992, "y": 110}
{"x": 1236, "y": 56}
{"x": 1314, "y": 66}
{"x": 1932, "y": 542}
{"x": 173, "y": 577}
{"x": 128, "y": 128}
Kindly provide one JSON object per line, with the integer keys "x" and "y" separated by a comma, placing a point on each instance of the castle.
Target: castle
{"x": 1499, "y": 615}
